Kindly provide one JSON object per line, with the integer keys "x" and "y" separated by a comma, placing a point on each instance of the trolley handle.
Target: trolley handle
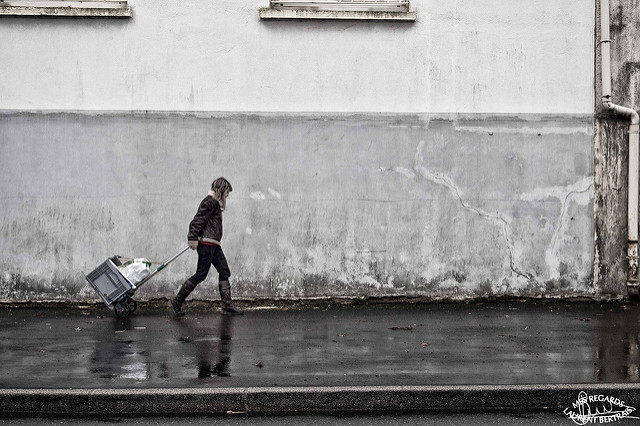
{"x": 161, "y": 267}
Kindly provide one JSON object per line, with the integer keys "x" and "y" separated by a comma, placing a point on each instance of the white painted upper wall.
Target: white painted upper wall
{"x": 460, "y": 56}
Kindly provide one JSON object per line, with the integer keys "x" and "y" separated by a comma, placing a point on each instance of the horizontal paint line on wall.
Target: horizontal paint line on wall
{"x": 146, "y": 196}
{"x": 316, "y": 115}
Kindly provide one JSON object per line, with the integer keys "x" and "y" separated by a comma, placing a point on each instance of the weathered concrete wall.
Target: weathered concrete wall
{"x": 611, "y": 146}
{"x": 411, "y": 196}
{"x": 494, "y": 56}
{"x": 611, "y": 163}
{"x": 441, "y": 206}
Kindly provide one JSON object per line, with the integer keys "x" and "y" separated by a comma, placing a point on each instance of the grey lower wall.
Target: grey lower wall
{"x": 323, "y": 205}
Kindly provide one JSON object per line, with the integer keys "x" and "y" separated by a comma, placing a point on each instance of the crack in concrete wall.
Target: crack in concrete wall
{"x": 580, "y": 193}
{"x": 447, "y": 182}
{"x": 500, "y": 219}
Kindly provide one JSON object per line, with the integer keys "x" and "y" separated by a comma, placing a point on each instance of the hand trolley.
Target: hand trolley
{"x": 115, "y": 289}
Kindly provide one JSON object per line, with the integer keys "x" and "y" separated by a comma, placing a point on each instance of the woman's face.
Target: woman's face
{"x": 226, "y": 194}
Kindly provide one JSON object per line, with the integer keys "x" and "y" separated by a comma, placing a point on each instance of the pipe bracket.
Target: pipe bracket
{"x": 632, "y": 257}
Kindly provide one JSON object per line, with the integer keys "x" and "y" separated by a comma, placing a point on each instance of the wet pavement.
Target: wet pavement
{"x": 505, "y": 343}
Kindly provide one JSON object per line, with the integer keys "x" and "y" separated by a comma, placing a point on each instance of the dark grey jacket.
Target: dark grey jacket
{"x": 206, "y": 225}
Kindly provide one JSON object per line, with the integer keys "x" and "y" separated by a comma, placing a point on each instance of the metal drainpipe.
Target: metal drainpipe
{"x": 634, "y": 148}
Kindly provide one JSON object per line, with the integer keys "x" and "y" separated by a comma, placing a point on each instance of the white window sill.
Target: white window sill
{"x": 280, "y": 14}
{"x": 66, "y": 8}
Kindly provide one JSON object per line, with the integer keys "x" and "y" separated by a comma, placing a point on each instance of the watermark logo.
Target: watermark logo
{"x": 598, "y": 409}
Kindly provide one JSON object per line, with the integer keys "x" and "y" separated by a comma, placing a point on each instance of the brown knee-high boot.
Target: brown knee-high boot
{"x": 176, "y": 303}
{"x": 225, "y": 295}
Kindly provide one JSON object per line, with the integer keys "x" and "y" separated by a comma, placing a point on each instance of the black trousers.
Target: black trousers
{"x": 207, "y": 256}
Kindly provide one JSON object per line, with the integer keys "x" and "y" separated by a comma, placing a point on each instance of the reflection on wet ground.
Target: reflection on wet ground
{"x": 421, "y": 344}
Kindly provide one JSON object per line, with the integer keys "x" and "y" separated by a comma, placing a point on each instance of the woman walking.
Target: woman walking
{"x": 205, "y": 233}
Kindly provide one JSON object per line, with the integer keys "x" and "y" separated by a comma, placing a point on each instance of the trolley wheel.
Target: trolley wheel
{"x": 122, "y": 309}
{"x": 133, "y": 305}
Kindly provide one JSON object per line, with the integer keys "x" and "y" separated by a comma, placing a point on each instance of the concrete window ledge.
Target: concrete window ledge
{"x": 66, "y": 8}
{"x": 276, "y": 14}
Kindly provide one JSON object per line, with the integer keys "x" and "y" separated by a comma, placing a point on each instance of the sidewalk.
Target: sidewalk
{"x": 515, "y": 355}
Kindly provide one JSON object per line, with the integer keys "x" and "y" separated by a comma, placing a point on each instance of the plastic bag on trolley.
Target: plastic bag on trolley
{"x": 136, "y": 271}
